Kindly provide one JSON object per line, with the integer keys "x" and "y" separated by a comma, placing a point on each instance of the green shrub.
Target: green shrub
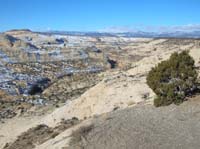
{"x": 174, "y": 79}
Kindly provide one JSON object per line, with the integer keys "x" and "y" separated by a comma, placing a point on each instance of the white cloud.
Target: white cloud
{"x": 160, "y": 29}
{"x": 181, "y": 28}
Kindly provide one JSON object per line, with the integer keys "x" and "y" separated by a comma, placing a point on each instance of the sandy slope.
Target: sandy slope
{"x": 146, "y": 127}
{"x": 14, "y": 127}
{"x": 142, "y": 126}
{"x": 118, "y": 90}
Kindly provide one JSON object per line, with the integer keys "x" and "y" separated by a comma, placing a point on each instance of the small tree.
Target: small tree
{"x": 174, "y": 79}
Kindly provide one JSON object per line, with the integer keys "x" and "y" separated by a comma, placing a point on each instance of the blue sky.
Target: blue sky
{"x": 98, "y": 15}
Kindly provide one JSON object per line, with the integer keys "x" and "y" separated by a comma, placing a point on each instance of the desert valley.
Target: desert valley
{"x": 89, "y": 91}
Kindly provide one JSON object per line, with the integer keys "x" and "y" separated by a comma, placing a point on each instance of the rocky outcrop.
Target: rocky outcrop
{"x": 12, "y": 42}
{"x": 39, "y": 86}
{"x": 70, "y": 86}
{"x": 7, "y": 40}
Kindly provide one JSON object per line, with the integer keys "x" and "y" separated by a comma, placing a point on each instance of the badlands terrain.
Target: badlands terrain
{"x": 77, "y": 91}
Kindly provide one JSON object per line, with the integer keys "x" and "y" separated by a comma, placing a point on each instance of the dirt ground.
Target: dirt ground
{"x": 145, "y": 127}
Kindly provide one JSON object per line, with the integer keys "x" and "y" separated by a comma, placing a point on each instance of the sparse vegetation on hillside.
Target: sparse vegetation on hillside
{"x": 174, "y": 79}
{"x": 80, "y": 134}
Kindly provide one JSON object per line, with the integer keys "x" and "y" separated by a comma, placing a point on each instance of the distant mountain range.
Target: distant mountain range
{"x": 177, "y": 34}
